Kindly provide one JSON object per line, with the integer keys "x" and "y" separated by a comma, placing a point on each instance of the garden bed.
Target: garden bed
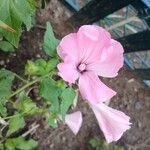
{"x": 133, "y": 97}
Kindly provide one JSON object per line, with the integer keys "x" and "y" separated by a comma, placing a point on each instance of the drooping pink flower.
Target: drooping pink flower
{"x": 113, "y": 123}
{"x": 86, "y": 54}
{"x": 74, "y": 121}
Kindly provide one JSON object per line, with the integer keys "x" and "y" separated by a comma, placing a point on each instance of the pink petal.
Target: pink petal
{"x": 112, "y": 122}
{"x": 91, "y": 40}
{"x": 74, "y": 121}
{"x": 110, "y": 62}
{"x": 69, "y": 47}
{"x": 93, "y": 90}
{"x": 68, "y": 72}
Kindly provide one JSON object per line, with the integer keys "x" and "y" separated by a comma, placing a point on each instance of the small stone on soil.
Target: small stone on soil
{"x": 2, "y": 62}
{"x": 138, "y": 106}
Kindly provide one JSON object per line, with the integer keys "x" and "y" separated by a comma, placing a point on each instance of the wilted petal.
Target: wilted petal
{"x": 112, "y": 122}
{"x": 74, "y": 121}
{"x": 93, "y": 90}
{"x": 91, "y": 40}
{"x": 68, "y": 72}
{"x": 110, "y": 62}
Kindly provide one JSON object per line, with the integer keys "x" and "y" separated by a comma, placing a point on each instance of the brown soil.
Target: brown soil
{"x": 133, "y": 96}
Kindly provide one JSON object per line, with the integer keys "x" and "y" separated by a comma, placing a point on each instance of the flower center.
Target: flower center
{"x": 82, "y": 67}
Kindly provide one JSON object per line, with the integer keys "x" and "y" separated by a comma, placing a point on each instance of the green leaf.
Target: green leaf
{"x": 67, "y": 97}
{"x": 20, "y": 143}
{"x": 8, "y": 16}
{"x": 6, "y": 46}
{"x": 15, "y": 123}
{"x": 94, "y": 143}
{"x": 1, "y": 146}
{"x": 14, "y": 13}
{"x": 6, "y": 79}
{"x": 41, "y": 62}
{"x": 52, "y": 121}
{"x": 50, "y": 42}
{"x": 9, "y": 144}
{"x": 3, "y": 110}
{"x": 97, "y": 143}
{"x": 61, "y": 84}
{"x": 54, "y": 108}
{"x": 45, "y": 67}
{"x": 26, "y": 105}
{"x": 49, "y": 90}
{"x": 23, "y": 11}
{"x": 41, "y": 65}
{"x": 53, "y": 113}
{"x": 51, "y": 64}
{"x": 33, "y": 4}
{"x": 31, "y": 68}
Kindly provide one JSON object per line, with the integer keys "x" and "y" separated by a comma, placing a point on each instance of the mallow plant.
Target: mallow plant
{"x": 75, "y": 66}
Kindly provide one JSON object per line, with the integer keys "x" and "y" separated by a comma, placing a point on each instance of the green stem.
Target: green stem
{"x": 23, "y": 113}
{"x": 23, "y": 80}
{"x": 8, "y": 117}
{"x": 24, "y": 87}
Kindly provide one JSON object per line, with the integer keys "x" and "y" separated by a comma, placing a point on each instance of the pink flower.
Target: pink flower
{"x": 112, "y": 122}
{"x": 88, "y": 53}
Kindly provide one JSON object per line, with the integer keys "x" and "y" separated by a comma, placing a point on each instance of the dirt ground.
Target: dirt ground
{"x": 133, "y": 96}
